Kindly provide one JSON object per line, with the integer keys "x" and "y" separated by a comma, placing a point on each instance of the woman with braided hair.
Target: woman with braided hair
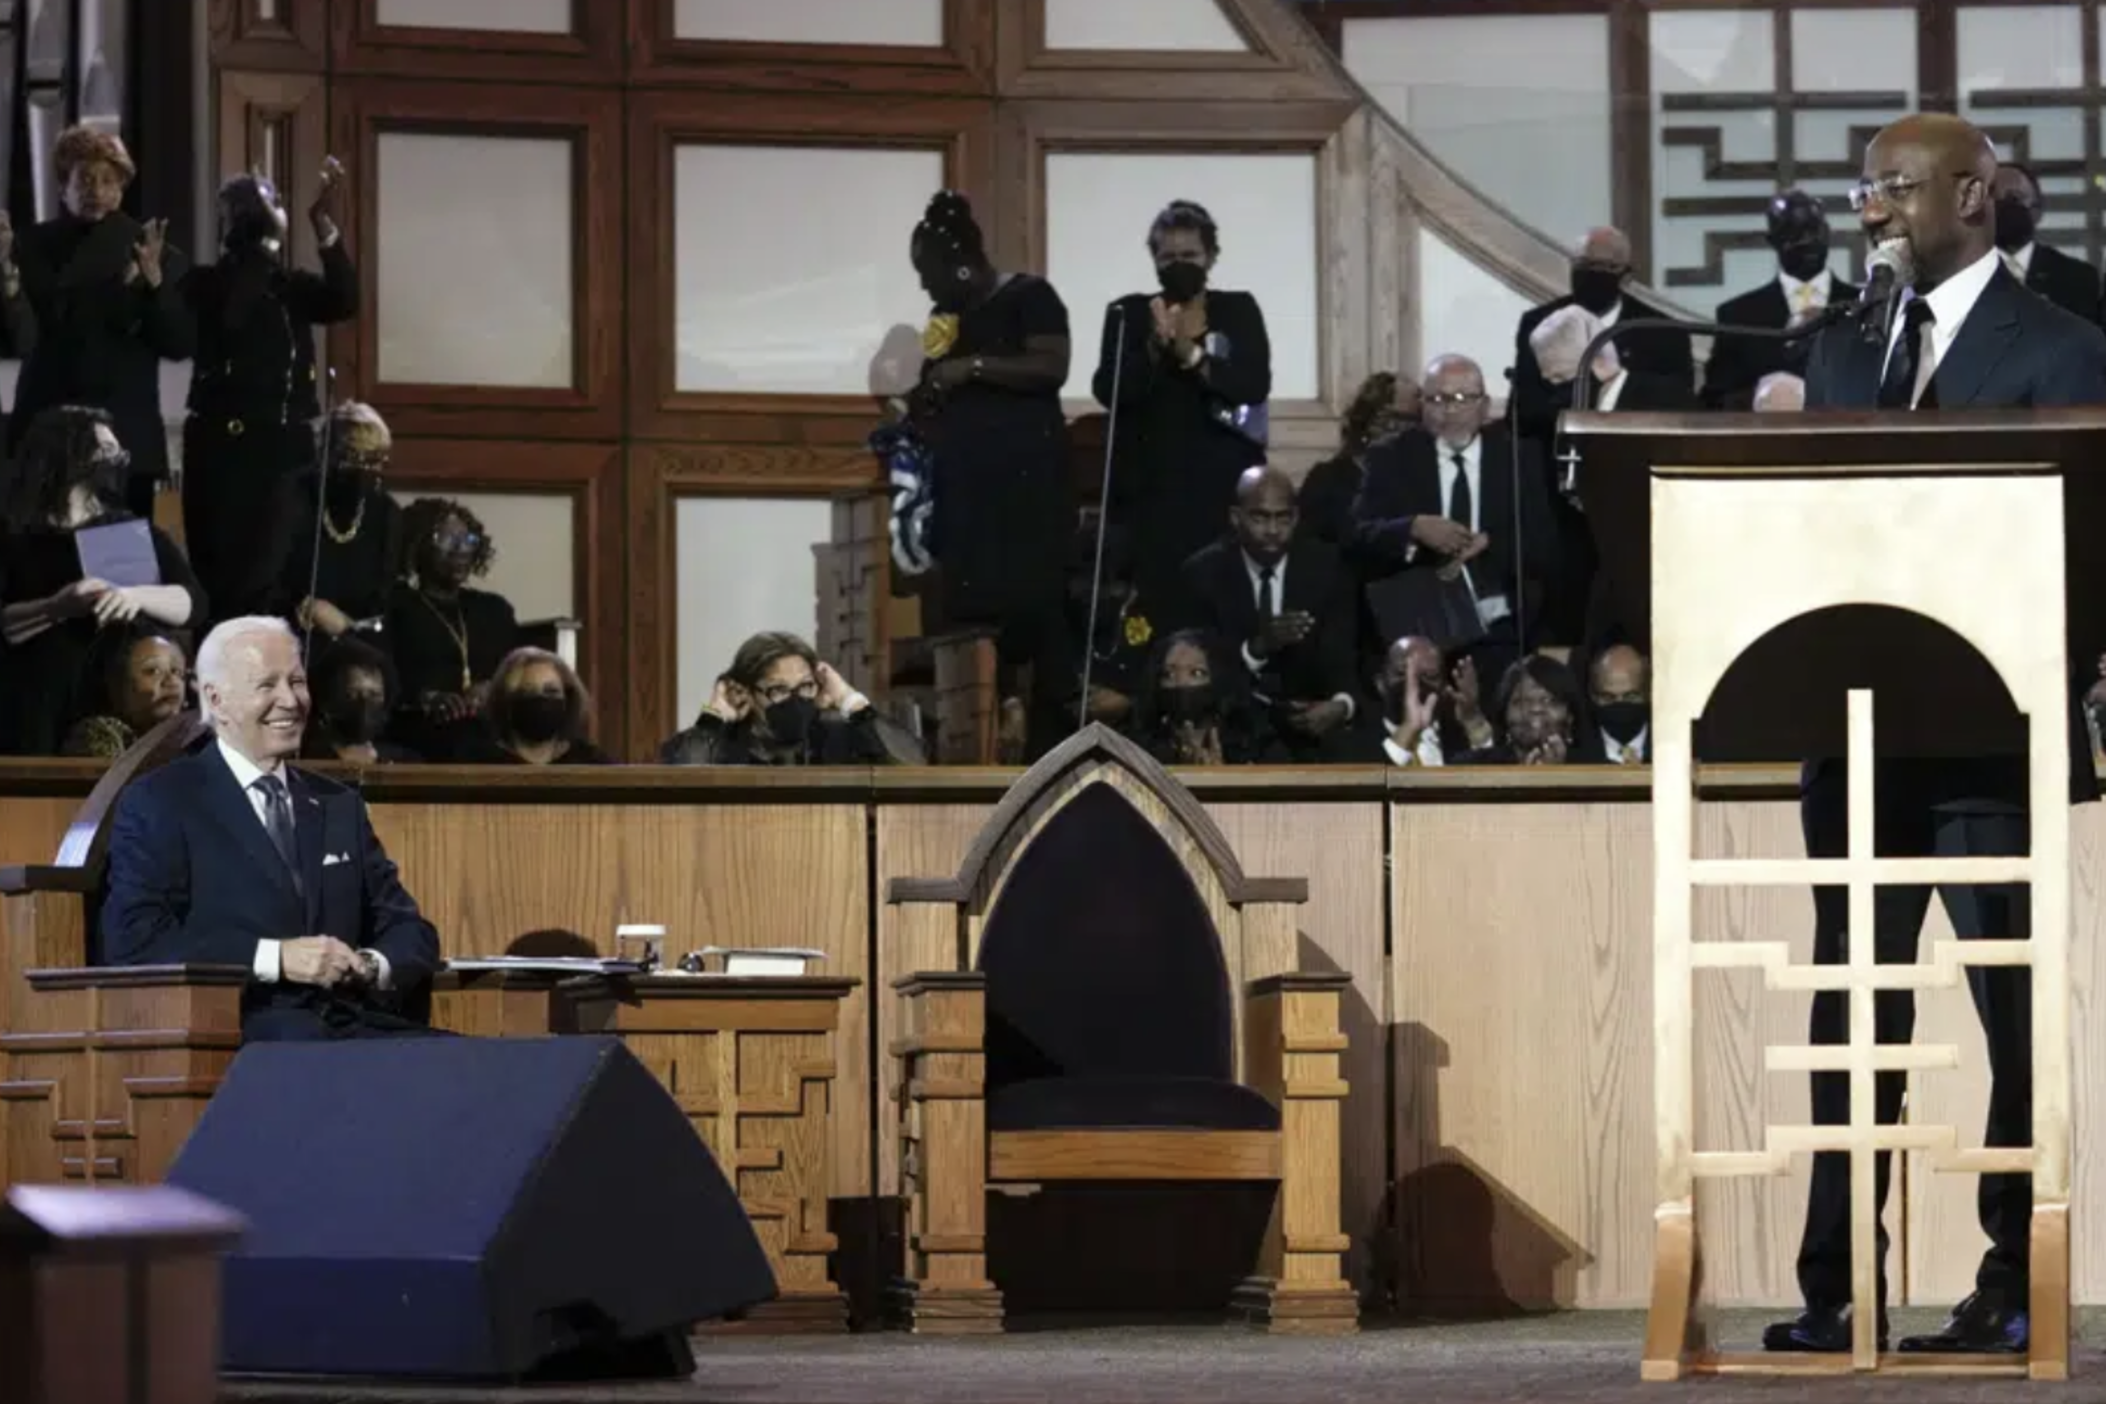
{"x": 988, "y": 406}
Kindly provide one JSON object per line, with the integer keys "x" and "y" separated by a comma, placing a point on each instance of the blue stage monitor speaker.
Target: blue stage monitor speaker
{"x": 466, "y": 1208}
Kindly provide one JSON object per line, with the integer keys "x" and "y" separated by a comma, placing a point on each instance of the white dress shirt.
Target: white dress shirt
{"x": 1273, "y": 604}
{"x": 269, "y": 966}
{"x": 1804, "y": 297}
{"x": 1950, "y": 302}
{"x": 1618, "y": 753}
{"x": 2020, "y": 263}
{"x": 1490, "y": 608}
{"x": 1427, "y": 752}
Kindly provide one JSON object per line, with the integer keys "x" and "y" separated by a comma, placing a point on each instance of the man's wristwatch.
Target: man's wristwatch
{"x": 368, "y": 968}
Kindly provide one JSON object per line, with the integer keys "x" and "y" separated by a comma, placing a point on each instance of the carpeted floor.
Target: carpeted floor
{"x": 1586, "y": 1357}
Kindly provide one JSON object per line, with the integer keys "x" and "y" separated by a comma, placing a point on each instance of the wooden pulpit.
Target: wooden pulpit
{"x": 1922, "y": 567}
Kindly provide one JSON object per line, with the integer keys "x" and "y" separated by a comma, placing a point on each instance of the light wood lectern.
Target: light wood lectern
{"x": 1716, "y": 531}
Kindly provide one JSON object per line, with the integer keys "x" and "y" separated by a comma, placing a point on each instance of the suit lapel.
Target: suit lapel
{"x": 1987, "y": 334}
{"x": 310, "y": 818}
{"x": 230, "y": 809}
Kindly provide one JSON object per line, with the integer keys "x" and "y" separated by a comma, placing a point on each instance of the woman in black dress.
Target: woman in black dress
{"x": 1191, "y": 392}
{"x": 447, "y": 637}
{"x": 538, "y": 713}
{"x": 989, "y": 408}
{"x": 1195, "y": 706}
{"x": 343, "y": 568}
{"x": 70, "y": 473}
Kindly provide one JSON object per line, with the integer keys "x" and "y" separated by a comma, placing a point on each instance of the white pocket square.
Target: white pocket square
{"x": 335, "y": 858}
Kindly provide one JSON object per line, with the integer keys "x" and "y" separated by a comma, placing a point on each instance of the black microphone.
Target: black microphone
{"x": 1887, "y": 271}
{"x": 321, "y": 507}
{"x": 1513, "y": 449}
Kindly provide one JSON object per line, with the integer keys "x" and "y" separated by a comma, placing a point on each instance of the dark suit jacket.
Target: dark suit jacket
{"x": 1662, "y": 357}
{"x": 99, "y": 340}
{"x": 2068, "y": 282}
{"x": 2014, "y": 351}
{"x": 1738, "y": 363}
{"x": 1219, "y": 596}
{"x": 193, "y": 878}
{"x": 1404, "y": 481}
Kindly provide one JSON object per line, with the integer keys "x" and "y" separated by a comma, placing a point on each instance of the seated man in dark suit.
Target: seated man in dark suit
{"x": 1802, "y": 290}
{"x": 230, "y": 857}
{"x": 1599, "y": 271}
{"x": 1466, "y": 471}
{"x": 1292, "y": 605}
{"x": 2068, "y": 282}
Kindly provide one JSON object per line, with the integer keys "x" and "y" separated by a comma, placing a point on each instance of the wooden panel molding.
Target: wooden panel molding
{"x": 276, "y": 123}
{"x": 281, "y": 35}
{"x": 1285, "y": 62}
{"x": 963, "y": 66}
{"x": 590, "y": 53}
{"x": 658, "y": 476}
{"x": 963, "y": 129}
{"x": 591, "y": 118}
{"x": 590, "y": 475}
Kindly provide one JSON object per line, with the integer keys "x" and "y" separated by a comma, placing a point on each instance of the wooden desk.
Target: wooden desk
{"x": 499, "y": 1003}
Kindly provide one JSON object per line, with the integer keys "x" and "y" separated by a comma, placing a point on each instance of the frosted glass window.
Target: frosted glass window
{"x": 745, "y": 565}
{"x": 910, "y": 23}
{"x": 1099, "y": 209}
{"x": 501, "y": 16}
{"x": 1465, "y": 311}
{"x": 1160, "y": 25}
{"x": 790, "y": 263}
{"x": 475, "y": 282}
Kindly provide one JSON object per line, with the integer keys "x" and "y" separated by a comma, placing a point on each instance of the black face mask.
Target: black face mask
{"x": 357, "y": 720}
{"x": 538, "y": 719}
{"x": 2014, "y": 225}
{"x": 1194, "y": 704}
{"x": 790, "y": 721}
{"x": 1622, "y": 721}
{"x": 249, "y": 215}
{"x": 1182, "y": 281}
{"x": 345, "y": 488}
{"x": 1804, "y": 261}
{"x": 1596, "y": 289}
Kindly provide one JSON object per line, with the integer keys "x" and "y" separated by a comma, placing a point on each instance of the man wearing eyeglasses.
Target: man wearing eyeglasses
{"x": 1967, "y": 335}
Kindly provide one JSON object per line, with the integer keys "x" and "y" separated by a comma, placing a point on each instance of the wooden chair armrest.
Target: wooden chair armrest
{"x": 24, "y": 879}
{"x": 138, "y": 977}
{"x": 924, "y": 982}
{"x": 1298, "y": 982}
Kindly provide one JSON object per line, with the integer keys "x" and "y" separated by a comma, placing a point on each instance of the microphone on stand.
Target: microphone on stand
{"x": 321, "y": 506}
{"x": 1513, "y": 449}
{"x": 1111, "y": 445}
{"x": 1888, "y": 270}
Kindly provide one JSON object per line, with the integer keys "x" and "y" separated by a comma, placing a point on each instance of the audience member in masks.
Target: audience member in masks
{"x": 1125, "y": 634}
{"x": 248, "y": 444}
{"x": 354, "y": 691}
{"x": 69, "y": 474}
{"x": 2063, "y": 279}
{"x": 340, "y": 571}
{"x": 1619, "y": 685}
{"x": 538, "y": 713}
{"x": 1660, "y": 363}
{"x": 1384, "y": 407}
{"x": 989, "y": 409}
{"x": 1802, "y": 291}
{"x": 143, "y": 683}
{"x": 1537, "y": 710}
{"x": 104, "y": 294}
{"x": 1430, "y": 709}
{"x": 1196, "y": 375}
{"x": 1292, "y": 608}
{"x": 1195, "y": 706}
{"x": 1448, "y": 497}
{"x": 447, "y": 637}
{"x": 779, "y": 705}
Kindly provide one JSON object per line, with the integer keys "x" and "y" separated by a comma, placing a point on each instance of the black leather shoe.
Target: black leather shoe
{"x": 1823, "y": 1330}
{"x": 1984, "y": 1324}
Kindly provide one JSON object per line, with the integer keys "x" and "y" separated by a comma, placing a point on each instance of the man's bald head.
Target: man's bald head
{"x": 1619, "y": 674}
{"x": 1264, "y": 516}
{"x": 1606, "y": 246}
{"x": 1932, "y": 177}
{"x": 1412, "y": 655}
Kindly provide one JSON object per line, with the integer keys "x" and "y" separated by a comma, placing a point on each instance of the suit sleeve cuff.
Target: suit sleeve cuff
{"x": 383, "y": 973}
{"x": 1250, "y": 660}
{"x": 1397, "y": 754}
{"x": 267, "y": 964}
{"x": 1351, "y": 710}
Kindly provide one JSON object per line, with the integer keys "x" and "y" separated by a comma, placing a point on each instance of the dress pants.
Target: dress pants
{"x": 1910, "y": 822}
{"x": 241, "y": 503}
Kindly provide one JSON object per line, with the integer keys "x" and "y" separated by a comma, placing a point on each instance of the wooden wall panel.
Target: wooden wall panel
{"x": 1284, "y": 62}
{"x": 964, "y": 65}
{"x": 283, "y": 36}
{"x": 758, "y": 875}
{"x": 32, "y": 826}
{"x": 591, "y": 53}
{"x": 591, "y": 118}
{"x": 591, "y": 476}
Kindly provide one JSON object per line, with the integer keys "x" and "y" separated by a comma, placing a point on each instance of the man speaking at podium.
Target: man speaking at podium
{"x": 1965, "y": 335}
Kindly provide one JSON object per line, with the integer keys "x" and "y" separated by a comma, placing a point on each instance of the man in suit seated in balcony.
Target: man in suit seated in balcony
{"x": 228, "y": 856}
{"x": 1802, "y": 290}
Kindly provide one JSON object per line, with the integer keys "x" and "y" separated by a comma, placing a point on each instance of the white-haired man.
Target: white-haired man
{"x": 1660, "y": 363}
{"x": 230, "y": 857}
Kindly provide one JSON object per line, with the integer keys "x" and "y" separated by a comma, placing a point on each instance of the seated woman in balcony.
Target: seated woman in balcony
{"x": 1539, "y": 709}
{"x": 1195, "y": 707}
{"x": 538, "y": 713}
{"x": 779, "y": 705}
{"x": 354, "y": 690}
{"x": 144, "y": 680}
{"x": 446, "y": 636}
{"x": 69, "y": 475}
